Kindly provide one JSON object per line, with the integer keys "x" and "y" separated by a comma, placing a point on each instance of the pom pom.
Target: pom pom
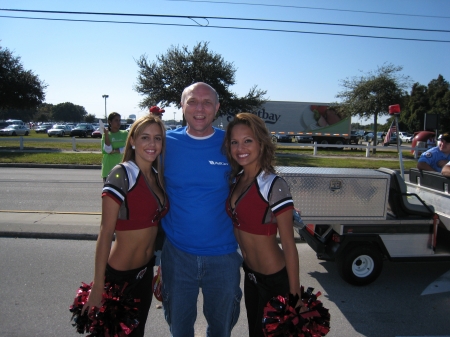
{"x": 117, "y": 316}
{"x": 81, "y": 322}
{"x": 157, "y": 285}
{"x": 282, "y": 318}
{"x": 156, "y": 110}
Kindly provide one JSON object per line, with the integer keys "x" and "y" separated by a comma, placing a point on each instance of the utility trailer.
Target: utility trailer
{"x": 301, "y": 121}
{"x": 360, "y": 217}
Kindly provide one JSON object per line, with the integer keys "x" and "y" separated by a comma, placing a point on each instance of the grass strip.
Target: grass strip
{"x": 310, "y": 161}
{"x": 286, "y": 155}
{"x": 52, "y": 158}
{"x": 281, "y": 160}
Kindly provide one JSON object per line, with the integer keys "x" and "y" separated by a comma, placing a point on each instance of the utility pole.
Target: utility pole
{"x": 106, "y": 116}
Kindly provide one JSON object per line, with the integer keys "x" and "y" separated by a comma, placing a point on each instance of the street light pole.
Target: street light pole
{"x": 106, "y": 117}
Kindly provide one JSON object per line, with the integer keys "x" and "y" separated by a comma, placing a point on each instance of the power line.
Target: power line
{"x": 191, "y": 17}
{"x": 317, "y": 8}
{"x": 228, "y": 27}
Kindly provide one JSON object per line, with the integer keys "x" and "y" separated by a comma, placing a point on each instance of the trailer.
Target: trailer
{"x": 360, "y": 217}
{"x": 300, "y": 121}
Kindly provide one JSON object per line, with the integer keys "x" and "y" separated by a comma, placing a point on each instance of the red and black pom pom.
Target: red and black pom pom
{"x": 282, "y": 319}
{"x": 117, "y": 317}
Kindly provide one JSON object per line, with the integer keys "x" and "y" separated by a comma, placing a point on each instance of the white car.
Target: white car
{"x": 59, "y": 130}
{"x": 15, "y": 130}
{"x": 405, "y": 137}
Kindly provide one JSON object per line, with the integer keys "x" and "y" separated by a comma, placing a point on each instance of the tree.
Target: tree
{"x": 68, "y": 112}
{"x": 22, "y": 114}
{"x": 162, "y": 82}
{"x": 371, "y": 94}
{"x": 431, "y": 99}
{"x": 19, "y": 89}
{"x": 417, "y": 104}
{"x": 90, "y": 118}
{"x": 439, "y": 101}
{"x": 44, "y": 113}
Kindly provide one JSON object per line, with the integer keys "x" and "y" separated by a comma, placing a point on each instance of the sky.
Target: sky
{"x": 82, "y": 61}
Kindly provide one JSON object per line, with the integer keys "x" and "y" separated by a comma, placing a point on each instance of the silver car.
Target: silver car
{"x": 59, "y": 130}
{"x": 15, "y": 130}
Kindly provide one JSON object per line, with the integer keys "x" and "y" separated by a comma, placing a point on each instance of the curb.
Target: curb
{"x": 60, "y": 166}
{"x": 58, "y": 236}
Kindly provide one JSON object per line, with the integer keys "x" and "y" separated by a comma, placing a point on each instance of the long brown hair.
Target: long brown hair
{"x": 262, "y": 136}
{"x": 136, "y": 130}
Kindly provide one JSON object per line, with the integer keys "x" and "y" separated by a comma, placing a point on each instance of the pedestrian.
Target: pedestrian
{"x": 133, "y": 202}
{"x": 260, "y": 205}
{"x": 113, "y": 144}
{"x": 437, "y": 157}
{"x": 200, "y": 250}
{"x": 430, "y": 142}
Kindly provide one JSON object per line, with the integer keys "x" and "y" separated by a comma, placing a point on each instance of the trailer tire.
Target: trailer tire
{"x": 323, "y": 142}
{"x": 360, "y": 265}
{"x": 339, "y": 142}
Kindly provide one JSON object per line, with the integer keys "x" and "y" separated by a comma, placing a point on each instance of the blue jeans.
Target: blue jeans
{"x": 184, "y": 274}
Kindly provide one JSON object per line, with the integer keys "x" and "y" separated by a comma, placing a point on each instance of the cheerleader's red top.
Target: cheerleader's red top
{"x": 256, "y": 209}
{"x": 139, "y": 206}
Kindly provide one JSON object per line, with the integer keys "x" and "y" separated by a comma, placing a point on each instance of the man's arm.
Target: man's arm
{"x": 424, "y": 166}
{"x": 446, "y": 170}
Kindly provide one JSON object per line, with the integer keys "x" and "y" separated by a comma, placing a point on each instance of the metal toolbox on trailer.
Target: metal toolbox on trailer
{"x": 338, "y": 193}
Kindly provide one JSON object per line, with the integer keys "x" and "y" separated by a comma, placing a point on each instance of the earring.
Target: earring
{"x": 133, "y": 147}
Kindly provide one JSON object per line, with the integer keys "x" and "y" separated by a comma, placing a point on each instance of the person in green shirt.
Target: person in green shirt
{"x": 113, "y": 144}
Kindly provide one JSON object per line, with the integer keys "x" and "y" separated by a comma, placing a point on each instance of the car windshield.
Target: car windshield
{"x": 60, "y": 127}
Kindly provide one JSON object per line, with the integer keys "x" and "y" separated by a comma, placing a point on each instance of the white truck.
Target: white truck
{"x": 295, "y": 121}
{"x": 360, "y": 217}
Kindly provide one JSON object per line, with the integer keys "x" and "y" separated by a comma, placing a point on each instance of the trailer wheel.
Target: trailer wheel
{"x": 339, "y": 142}
{"x": 360, "y": 265}
{"x": 323, "y": 142}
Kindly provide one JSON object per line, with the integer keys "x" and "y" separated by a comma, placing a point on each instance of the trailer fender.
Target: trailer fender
{"x": 348, "y": 241}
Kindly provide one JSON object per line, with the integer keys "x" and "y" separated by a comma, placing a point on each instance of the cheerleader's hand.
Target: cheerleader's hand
{"x": 94, "y": 300}
{"x": 301, "y": 305}
{"x": 303, "y": 308}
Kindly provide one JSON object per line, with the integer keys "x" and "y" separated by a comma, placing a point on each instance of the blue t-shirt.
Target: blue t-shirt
{"x": 195, "y": 175}
{"x": 433, "y": 156}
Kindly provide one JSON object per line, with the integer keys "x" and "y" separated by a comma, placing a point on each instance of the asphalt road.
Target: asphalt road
{"x": 39, "y": 277}
{"x": 39, "y": 280}
{"x": 56, "y": 190}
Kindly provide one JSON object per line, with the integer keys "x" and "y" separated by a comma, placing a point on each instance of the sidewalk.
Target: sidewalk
{"x": 57, "y": 225}
{"x": 71, "y": 226}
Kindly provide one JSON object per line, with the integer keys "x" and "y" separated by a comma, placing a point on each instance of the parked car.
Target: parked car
{"x": 3, "y": 125}
{"x": 392, "y": 140}
{"x": 43, "y": 128}
{"x": 405, "y": 137}
{"x": 304, "y": 139}
{"x": 59, "y": 130}
{"x": 355, "y": 137}
{"x": 15, "y": 130}
{"x": 368, "y": 136}
{"x": 15, "y": 122}
{"x": 96, "y": 133}
{"x": 82, "y": 130}
{"x": 282, "y": 138}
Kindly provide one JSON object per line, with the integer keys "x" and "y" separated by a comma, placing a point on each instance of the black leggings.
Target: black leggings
{"x": 258, "y": 290}
{"x": 139, "y": 286}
